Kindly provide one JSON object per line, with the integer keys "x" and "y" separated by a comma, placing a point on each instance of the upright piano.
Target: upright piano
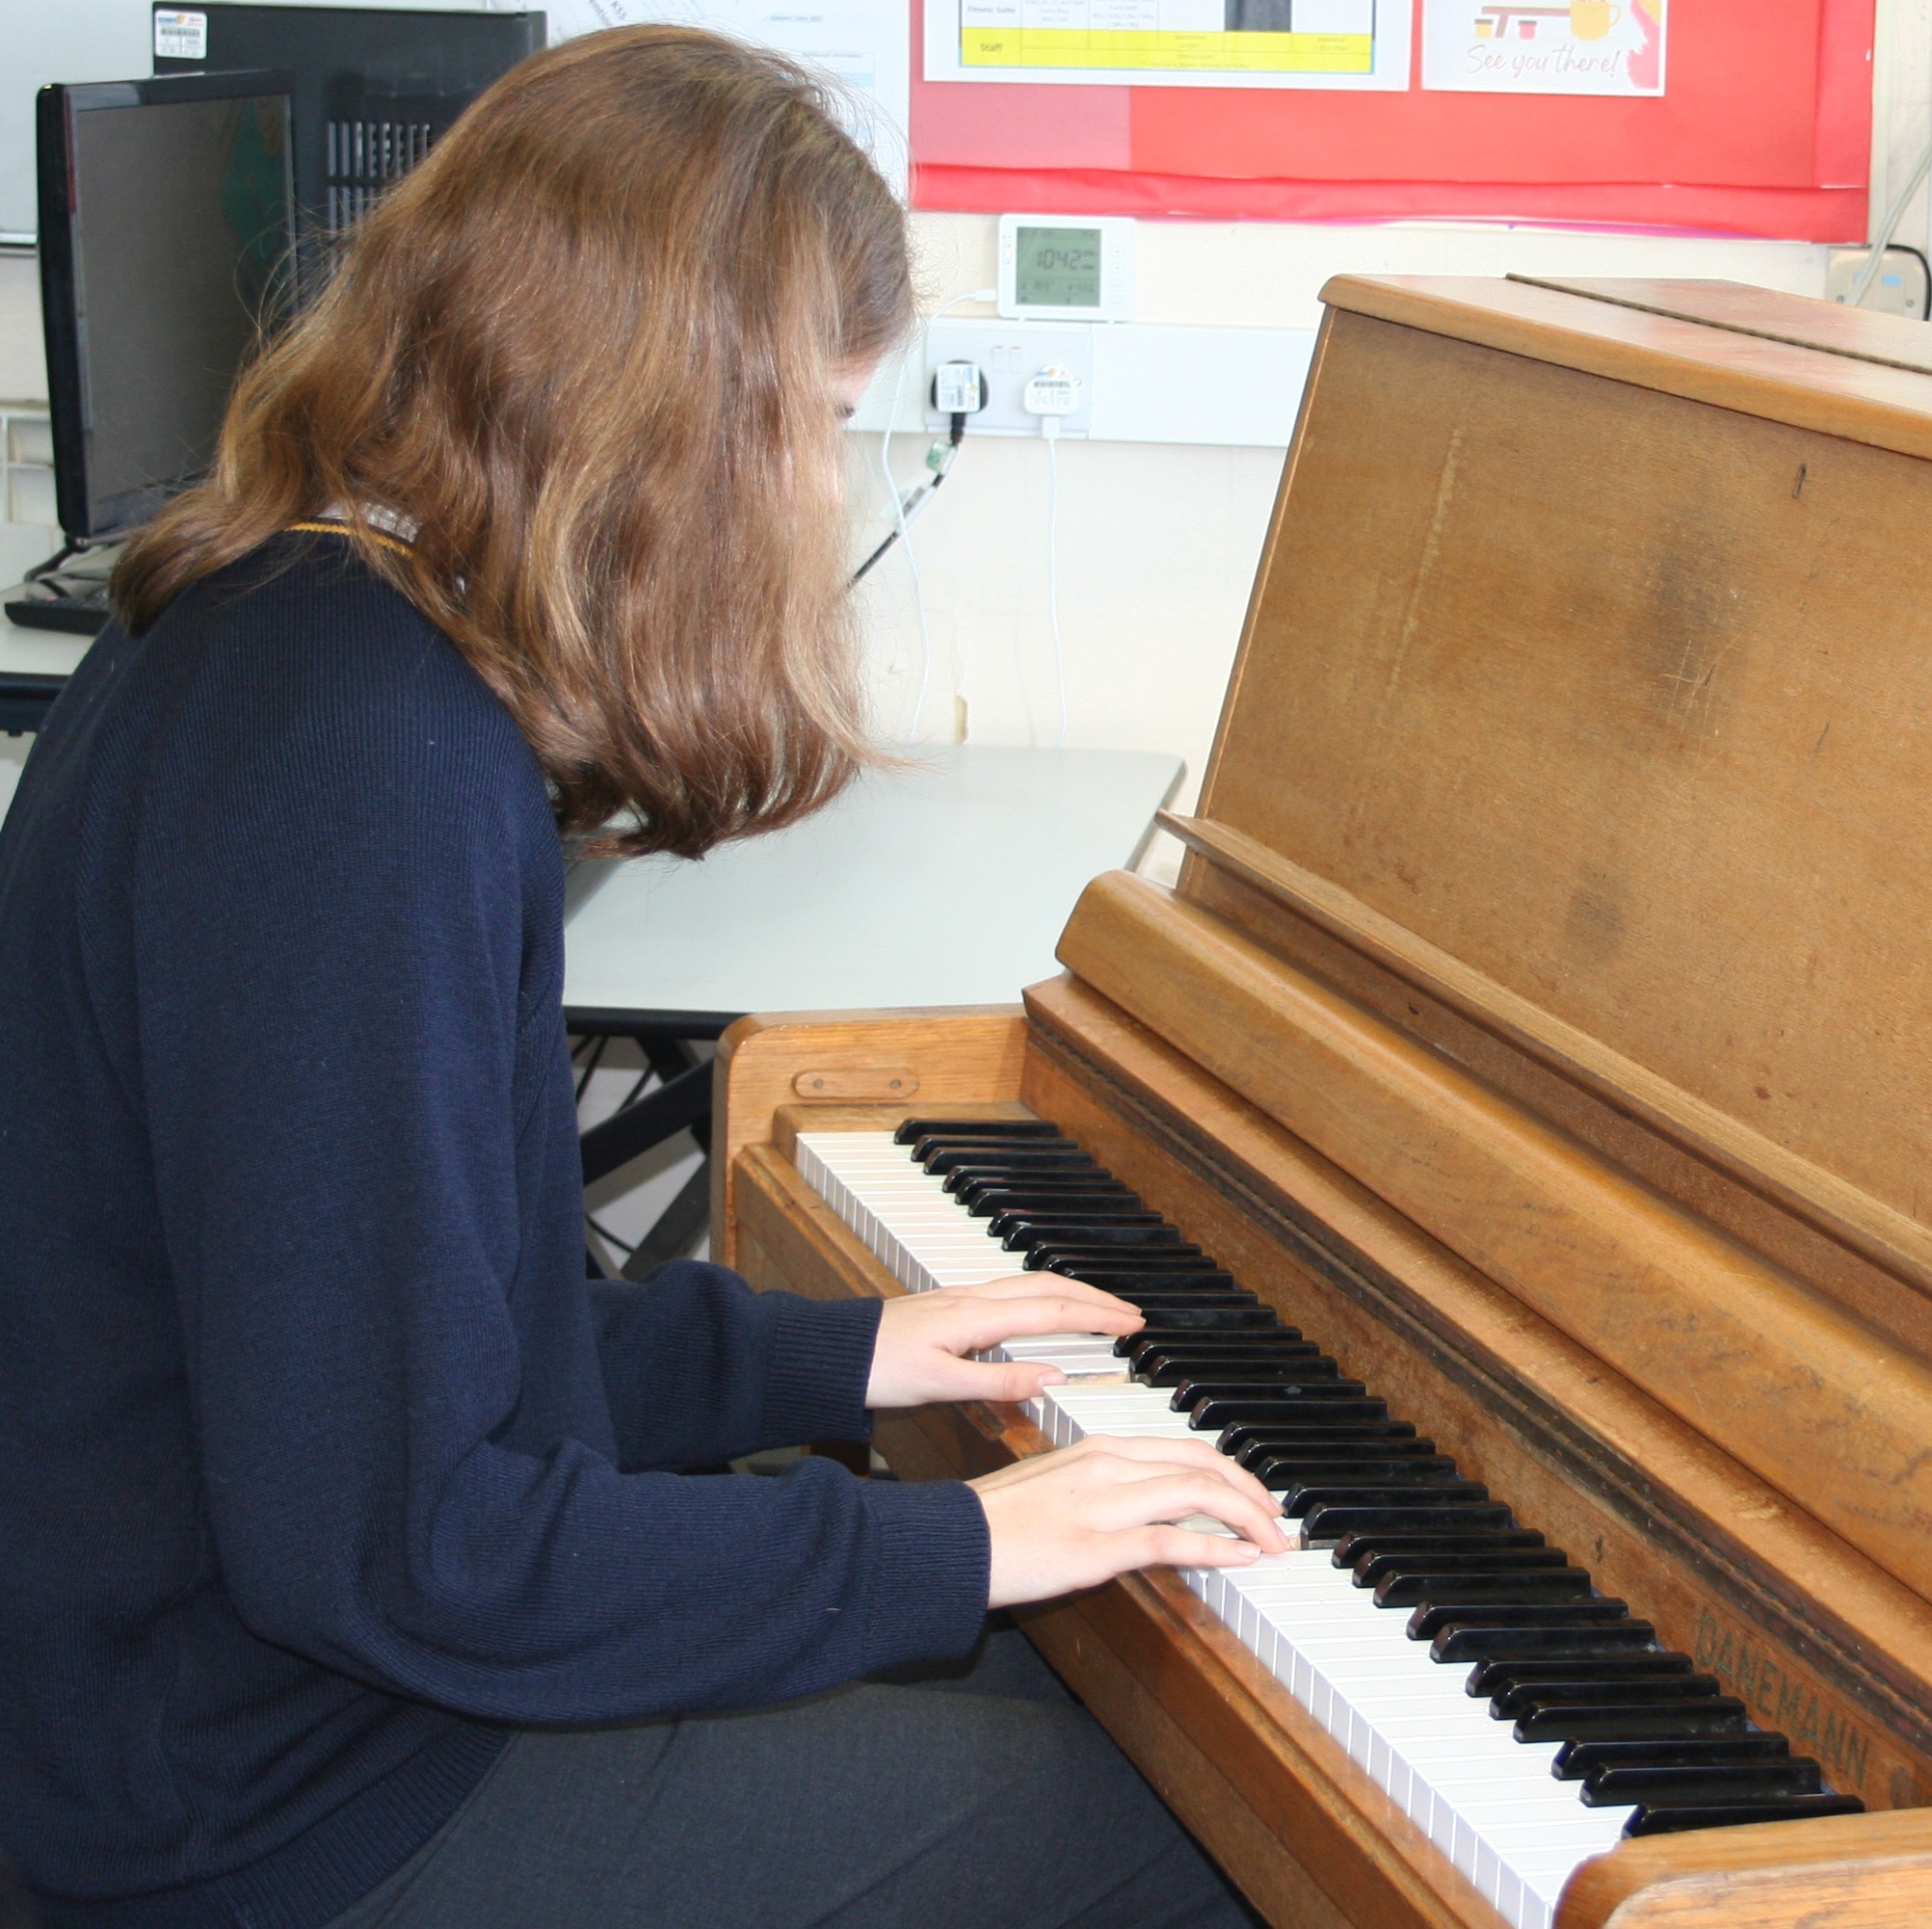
{"x": 1532, "y": 1072}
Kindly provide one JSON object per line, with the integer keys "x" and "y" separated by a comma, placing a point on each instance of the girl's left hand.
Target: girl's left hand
{"x": 925, "y": 1336}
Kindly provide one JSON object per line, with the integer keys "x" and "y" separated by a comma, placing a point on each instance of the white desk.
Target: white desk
{"x": 37, "y": 653}
{"x": 944, "y": 883}
{"x": 947, "y": 883}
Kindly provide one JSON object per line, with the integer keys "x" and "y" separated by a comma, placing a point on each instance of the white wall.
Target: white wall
{"x": 1157, "y": 544}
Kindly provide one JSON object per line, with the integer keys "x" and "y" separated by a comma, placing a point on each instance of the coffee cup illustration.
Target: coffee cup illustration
{"x": 1592, "y": 19}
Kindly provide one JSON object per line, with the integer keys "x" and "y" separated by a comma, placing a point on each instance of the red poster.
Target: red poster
{"x": 1764, "y": 128}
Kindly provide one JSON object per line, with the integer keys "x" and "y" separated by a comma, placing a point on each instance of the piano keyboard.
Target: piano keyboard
{"x": 1521, "y": 1719}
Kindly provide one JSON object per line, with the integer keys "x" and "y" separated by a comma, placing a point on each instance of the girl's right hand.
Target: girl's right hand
{"x": 1104, "y": 1507}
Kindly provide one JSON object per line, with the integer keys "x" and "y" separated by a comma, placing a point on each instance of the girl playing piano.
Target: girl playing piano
{"x": 351, "y": 1573}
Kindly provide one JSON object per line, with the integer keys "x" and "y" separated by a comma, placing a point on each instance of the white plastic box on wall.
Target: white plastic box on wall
{"x": 1141, "y": 383}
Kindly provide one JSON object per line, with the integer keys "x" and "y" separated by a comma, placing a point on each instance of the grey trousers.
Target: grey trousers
{"x": 981, "y": 1796}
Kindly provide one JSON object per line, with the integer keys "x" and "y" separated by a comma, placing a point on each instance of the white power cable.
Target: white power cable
{"x": 1894, "y": 214}
{"x": 1049, "y": 428}
{"x": 912, "y": 562}
{"x": 899, "y": 503}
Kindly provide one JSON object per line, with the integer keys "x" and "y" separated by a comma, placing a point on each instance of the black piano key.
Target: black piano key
{"x": 1575, "y": 1760}
{"x": 1567, "y": 1722}
{"x": 1342, "y": 1398}
{"x": 1235, "y": 1439}
{"x": 1255, "y": 1379}
{"x": 1436, "y": 1617}
{"x": 1159, "y": 1303}
{"x": 984, "y": 1202}
{"x": 1073, "y": 1208}
{"x": 1583, "y": 1691}
{"x": 1420, "y": 1581}
{"x": 1710, "y": 1781}
{"x": 1303, "y": 1496}
{"x": 1212, "y": 1415}
{"x": 1274, "y": 1440}
{"x": 960, "y": 1176}
{"x": 1292, "y": 1380}
{"x": 1048, "y": 1183}
{"x": 1113, "y": 1218}
{"x": 989, "y": 1148}
{"x": 1372, "y": 1567}
{"x": 1132, "y": 1344}
{"x": 1136, "y": 1276}
{"x": 1175, "y": 1312}
{"x": 1288, "y": 1473}
{"x": 1233, "y": 1360}
{"x": 1488, "y": 1679}
{"x": 1479, "y": 1637}
{"x": 1170, "y": 1265}
{"x": 915, "y": 1129}
{"x": 1358, "y": 1549}
{"x": 1129, "y": 1255}
{"x": 1330, "y": 1523}
{"x": 996, "y": 1145}
{"x": 1171, "y": 1371}
{"x": 1021, "y": 1232}
{"x": 1671, "y": 1818}
{"x": 1357, "y": 1461}
{"x": 1026, "y": 1232}
{"x": 1163, "y": 1356}
{"x": 978, "y": 1160}
{"x": 1342, "y": 1448}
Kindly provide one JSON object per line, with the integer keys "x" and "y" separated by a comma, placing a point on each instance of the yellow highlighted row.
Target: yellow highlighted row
{"x": 1238, "y": 53}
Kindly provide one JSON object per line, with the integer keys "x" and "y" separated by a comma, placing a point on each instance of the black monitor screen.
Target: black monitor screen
{"x": 170, "y": 247}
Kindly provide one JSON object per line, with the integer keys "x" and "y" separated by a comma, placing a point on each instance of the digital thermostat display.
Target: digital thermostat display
{"x": 1062, "y": 267}
{"x": 1057, "y": 267}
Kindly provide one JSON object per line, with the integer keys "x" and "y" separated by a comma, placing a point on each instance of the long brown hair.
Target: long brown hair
{"x": 588, "y": 350}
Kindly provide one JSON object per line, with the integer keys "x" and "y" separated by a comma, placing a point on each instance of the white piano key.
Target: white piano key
{"x": 1486, "y": 1800}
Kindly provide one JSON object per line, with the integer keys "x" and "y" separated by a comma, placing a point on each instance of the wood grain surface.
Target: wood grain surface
{"x": 955, "y": 1053}
{"x": 1842, "y": 1872}
{"x": 1861, "y": 399}
{"x": 1603, "y": 694}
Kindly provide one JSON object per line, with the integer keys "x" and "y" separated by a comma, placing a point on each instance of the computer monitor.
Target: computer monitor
{"x": 167, "y": 226}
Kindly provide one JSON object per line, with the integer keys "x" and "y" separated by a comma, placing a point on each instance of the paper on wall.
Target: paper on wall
{"x": 865, "y": 46}
{"x": 1584, "y": 47}
{"x": 1318, "y": 44}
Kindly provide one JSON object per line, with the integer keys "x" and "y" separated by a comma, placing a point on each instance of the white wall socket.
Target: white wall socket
{"x": 1009, "y": 354}
{"x": 1900, "y": 287}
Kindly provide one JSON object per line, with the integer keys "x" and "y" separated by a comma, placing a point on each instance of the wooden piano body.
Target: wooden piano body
{"x": 1540, "y": 1021}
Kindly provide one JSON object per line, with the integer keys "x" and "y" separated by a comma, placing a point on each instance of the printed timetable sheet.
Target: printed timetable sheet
{"x": 1347, "y": 44}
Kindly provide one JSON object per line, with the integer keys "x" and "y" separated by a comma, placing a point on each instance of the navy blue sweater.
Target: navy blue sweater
{"x": 322, "y": 1466}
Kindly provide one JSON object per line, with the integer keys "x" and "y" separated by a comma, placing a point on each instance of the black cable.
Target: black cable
{"x": 958, "y": 435}
{"x": 55, "y": 561}
{"x": 590, "y": 1066}
{"x": 605, "y": 1233}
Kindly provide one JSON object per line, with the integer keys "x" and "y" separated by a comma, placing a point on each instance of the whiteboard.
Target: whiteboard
{"x": 93, "y": 40}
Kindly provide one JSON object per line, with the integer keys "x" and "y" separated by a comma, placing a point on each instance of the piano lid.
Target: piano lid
{"x": 1562, "y": 867}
